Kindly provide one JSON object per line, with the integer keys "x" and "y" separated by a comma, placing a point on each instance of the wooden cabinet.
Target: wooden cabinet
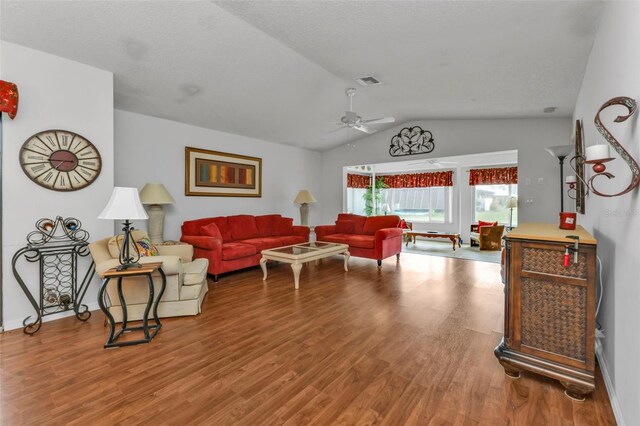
{"x": 549, "y": 323}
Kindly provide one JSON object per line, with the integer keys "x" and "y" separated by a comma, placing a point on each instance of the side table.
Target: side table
{"x": 149, "y": 330}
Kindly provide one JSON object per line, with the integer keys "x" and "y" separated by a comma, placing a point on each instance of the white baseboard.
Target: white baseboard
{"x": 13, "y": 324}
{"x": 613, "y": 398}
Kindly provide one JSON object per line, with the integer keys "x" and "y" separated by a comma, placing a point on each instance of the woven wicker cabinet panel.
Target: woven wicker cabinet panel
{"x": 553, "y": 317}
{"x": 549, "y": 308}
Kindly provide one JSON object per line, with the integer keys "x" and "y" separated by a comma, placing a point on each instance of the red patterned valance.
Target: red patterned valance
{"x": 358, "y": 181}
{"x": 9, "y": 98}
{"x": 419, "y": 180}
{"x": 494, "y": 176}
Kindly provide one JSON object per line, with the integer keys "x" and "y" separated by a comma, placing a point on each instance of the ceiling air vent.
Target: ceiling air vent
{"x": 367, "y": 81}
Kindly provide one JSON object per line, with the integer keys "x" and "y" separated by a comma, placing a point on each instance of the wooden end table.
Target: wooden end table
{"x": 454, "y": 237}
{"x": 149, "y": 330}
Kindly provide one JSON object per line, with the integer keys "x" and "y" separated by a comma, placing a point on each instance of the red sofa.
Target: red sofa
{"x": 235, "y": 242}
{"x": 375, "y": 237}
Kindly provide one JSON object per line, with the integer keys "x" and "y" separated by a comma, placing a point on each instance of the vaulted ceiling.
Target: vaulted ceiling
{"x": 278, "y": 70}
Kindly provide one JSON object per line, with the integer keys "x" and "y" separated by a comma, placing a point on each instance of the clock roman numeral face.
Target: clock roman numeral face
{"x": 60, "y": 160}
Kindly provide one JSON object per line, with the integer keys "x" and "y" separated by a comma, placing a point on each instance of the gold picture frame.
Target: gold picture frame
{"x": 221, "y": 174}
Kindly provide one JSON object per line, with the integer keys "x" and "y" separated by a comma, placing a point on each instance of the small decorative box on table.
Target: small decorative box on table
{"x": 149, "y": 330}
{"x": 549, "y": 321}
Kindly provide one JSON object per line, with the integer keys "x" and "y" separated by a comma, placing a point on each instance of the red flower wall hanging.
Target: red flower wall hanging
{"x": 9, "y": 98}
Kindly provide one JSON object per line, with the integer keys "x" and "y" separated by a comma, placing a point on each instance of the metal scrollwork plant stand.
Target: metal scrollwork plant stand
{"x": 56, "y": 246}
{"x": 410, "y": 141}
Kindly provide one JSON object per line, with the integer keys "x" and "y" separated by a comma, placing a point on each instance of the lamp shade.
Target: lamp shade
{"x": 155, "y": 193}
{"x": 560, "y": 151}
{"x": 512, "y": 203}
{"x": 124, "y": 204}
{"x": 305, "y": 197}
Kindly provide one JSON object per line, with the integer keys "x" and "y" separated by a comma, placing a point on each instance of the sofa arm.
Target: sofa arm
{"x": 184, "y": 251}
{"x": 322, "y": 230}
{"x": 386, "y": 233}
{"x": 171, "y": 265}
{"x": 203, "y": 242}
{"x": 302, "y": 231}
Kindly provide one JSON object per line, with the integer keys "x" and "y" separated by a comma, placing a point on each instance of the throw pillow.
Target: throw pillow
{"x": 146, "y": 247}
{"x": 211, "y": 230}
{"x": 482, "y": 223}
{"x": 282, "y": 226}
{"x": 345, "y": 227}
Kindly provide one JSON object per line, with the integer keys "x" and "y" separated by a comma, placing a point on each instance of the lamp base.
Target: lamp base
{"x": 156, "y": 223}
{"x": 126, "y": 266}
{"x": 304, "y": 214}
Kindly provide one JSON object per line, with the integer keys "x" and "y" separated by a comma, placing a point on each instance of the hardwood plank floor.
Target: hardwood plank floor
{"x": 411, "y": 343}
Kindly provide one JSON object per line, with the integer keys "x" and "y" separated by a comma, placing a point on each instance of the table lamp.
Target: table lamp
{"x": 304, "y": 198}
{"x": 155, "y": 195}
{"x": 124, "y": 204}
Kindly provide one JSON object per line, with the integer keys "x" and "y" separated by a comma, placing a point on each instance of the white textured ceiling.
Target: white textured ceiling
{"x": 278, "y": 70}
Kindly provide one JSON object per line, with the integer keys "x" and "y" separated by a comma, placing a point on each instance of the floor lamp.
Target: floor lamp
{"x": 561, "y": 152}
{"x": 512, "y": 204}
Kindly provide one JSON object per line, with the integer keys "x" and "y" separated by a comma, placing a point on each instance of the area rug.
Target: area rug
{"x": 444, "y": 249}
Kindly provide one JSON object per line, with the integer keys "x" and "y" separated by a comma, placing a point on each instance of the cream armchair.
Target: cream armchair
{"x": 186, "y": 280}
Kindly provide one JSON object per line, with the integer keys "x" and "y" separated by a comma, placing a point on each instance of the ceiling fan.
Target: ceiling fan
{"x": 433, "y": 162}
{"x": 351, "y": 120}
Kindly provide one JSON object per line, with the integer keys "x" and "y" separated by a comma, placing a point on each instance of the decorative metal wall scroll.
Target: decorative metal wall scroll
{"x": 631, "y": 105}
{"x": 56, "y": 245}
{"x": 410, "y": 141}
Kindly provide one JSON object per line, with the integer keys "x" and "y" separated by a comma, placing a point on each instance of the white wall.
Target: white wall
{"x": 149, "y": 149}
{"x": 613, "y": 70}
{"x": 459, "y": 137}
{"x": 55, "y": 93}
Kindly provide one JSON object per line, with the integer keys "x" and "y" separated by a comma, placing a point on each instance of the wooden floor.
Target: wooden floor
{"x": 407, "y": 344}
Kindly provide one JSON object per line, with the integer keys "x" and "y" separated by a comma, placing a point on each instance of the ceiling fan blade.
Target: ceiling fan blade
{"x": 364, "y": 128}
{"x": 338, "y": 129}
{"x": 380, "y": 120}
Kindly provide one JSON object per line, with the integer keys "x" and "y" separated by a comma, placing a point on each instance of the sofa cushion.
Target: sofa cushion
{"x": 231, "y": 251}
{"x": 242, "y": 226}
{"x": 264, "y": 224}
{"x": 211, "y": 230}
{"x": 345, "y": 227}
{"x": 361, "y": 241}
{"x": 263, "y": 243}
{"x": 337, "y": 238}
{"x": 375, "y": 223}
{"x": 223, "y": 226}
{"x": 195, "y": 272}
{"x": 356, "y": 218}
{"x": 282, "y": 226}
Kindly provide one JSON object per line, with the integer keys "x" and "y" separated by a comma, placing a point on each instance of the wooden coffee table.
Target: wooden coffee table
{"x": 298, "y": 254}
{"x": 455, "y": 238}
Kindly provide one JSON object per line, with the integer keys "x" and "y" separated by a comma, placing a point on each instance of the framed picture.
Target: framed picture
{"x": 220, "y": 174}
{"x": 579, "y": 168}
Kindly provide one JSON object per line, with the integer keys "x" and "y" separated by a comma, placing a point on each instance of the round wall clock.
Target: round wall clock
{"x": 60, "y": 160}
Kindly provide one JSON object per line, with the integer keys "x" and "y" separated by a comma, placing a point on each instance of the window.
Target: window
{"x": 491, "y": 203}
{"x": 431, "y": 204}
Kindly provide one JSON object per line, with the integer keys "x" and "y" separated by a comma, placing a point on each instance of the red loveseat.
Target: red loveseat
{"x": 235, "y": 242}
{"x": 375, "y": 237}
